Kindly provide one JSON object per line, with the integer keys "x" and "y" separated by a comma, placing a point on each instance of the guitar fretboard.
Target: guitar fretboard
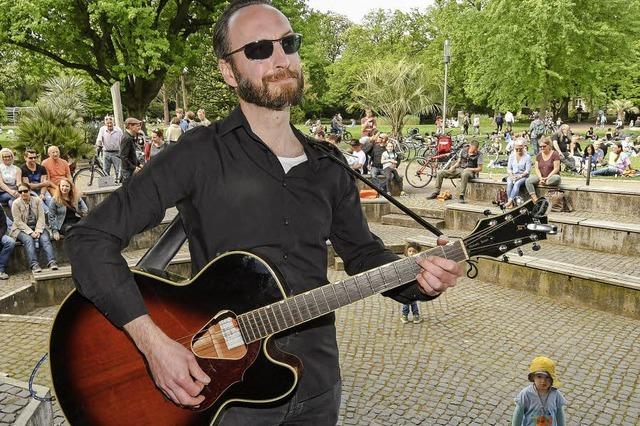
{"x": 287, "y": 313}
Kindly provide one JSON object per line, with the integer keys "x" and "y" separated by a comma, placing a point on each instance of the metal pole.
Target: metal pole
{"x": 588, "y": 170}
{"x": 447, "y": 58}
{"x": 117, "y": 104}
{"x": 184, "y": 90}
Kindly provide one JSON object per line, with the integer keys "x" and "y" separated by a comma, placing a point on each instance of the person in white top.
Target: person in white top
{"x": 11, "y": 177}
{"x": 359, "y": 154}
{"x": 509, "y": 119}
{"x": 108, "y": 142}
{"x": 390, "y": 161}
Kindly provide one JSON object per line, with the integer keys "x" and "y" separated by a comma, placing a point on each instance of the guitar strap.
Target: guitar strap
{"x": 161, "y": 253}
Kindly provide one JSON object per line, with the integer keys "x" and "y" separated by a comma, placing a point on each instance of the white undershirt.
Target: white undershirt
{"x": 289, "y": 163}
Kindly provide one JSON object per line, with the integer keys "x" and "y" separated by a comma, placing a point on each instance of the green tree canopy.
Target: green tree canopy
{"x": 129, "y": 41}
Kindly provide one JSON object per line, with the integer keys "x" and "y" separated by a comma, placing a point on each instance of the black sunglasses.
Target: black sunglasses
{"x": 263, "y": 49}
{"x": 23, "y": 191}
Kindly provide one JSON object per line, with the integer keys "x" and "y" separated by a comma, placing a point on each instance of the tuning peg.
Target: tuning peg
{"x": 535, "y": 247}
{"x": 487, "y": 212}
{"x": 520, "y": 253}
{"x": 505, "y": 258}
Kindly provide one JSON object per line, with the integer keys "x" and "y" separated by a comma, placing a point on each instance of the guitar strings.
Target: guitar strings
{"x": 403, "y": 267}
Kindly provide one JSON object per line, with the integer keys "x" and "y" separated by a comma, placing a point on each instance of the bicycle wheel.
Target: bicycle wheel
{"x": 84, "y": 179}
{"x": 346, "y": 136}
{"x": 419, "y": 172}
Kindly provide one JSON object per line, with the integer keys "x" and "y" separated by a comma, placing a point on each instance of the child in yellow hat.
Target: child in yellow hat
{"x": 540, "y": 403}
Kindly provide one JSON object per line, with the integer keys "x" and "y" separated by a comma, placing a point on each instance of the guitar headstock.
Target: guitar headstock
{"x": 495, "y": 236}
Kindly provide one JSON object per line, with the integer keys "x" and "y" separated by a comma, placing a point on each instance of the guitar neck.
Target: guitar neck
{"x": 287, "y": 313}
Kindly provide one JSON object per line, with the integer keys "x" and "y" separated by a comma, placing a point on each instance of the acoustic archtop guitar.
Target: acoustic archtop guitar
{"x": 227, "y": 315}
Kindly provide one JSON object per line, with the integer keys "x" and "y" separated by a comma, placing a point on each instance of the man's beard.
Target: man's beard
{"x": 261, "y": 96}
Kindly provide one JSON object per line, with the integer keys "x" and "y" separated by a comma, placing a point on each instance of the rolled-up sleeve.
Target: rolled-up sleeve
{"x": 94, "y": 245}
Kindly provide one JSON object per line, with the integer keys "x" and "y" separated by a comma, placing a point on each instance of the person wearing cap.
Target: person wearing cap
{"x": 128, "y": 143}
{"x": 57, "y": 168}
{"x": 361, "y": 157}
{"x": 540, "y": 403}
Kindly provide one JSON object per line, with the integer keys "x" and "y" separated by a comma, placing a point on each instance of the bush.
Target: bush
{"x": 48, "y": 125}
{"x": 3, "y": 113}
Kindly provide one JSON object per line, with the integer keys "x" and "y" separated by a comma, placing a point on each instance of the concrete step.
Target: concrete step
{"x": 434, "y": 211}
{"x": 608, "y": 199}
{"x": 607, "y": 234}
{"x": 404, "y": 220}
{"x": 569, "y": 280}
{"x": 49, "y": 288}
{"x": 18, "y": 260}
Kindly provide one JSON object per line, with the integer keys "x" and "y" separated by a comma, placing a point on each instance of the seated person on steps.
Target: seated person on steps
{"x": 67, "y": 208}
{"x": 30, "y": 228}
{"x": 519, "y": 167}
{"x": 467, "y": 166}
{"x": 390, "y": 161}
{"x": 546, "y": 169}
{"x": 617, "y": 164}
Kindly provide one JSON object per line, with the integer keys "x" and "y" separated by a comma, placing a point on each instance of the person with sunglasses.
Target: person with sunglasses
{"x": 252, "y": 181}
{"x": 547, "y": 168}
{"x": 518, "y": 167}
{"x": 29, "y": 227}
{"x": 35, "y": 175}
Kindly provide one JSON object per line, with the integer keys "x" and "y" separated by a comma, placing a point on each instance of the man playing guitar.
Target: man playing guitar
{"x": 251, "y": 181}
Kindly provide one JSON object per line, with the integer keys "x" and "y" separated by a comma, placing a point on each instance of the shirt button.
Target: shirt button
{"x": 286, "y": 221}
{"x": 285, "y": 256}
{"x": 284, "y": 183}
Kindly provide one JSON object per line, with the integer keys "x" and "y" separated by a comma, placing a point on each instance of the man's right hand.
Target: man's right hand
{"x": 174, "y": 368}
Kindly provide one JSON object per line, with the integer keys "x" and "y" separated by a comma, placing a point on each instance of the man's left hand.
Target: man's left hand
{"x": 438, "y": 274}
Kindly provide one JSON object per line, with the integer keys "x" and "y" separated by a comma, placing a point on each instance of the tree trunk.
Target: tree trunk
{"x": 564, "y": 109}
{"x": 139, "y": 93}
{"x": 165, "y": 106}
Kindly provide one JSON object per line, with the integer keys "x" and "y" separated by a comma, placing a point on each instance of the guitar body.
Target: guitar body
{"x": 100, "y": 378}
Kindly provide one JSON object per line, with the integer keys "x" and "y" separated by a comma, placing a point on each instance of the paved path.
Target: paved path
{"x": 463, "y": 365}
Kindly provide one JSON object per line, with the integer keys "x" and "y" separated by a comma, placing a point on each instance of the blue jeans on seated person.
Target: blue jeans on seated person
{"x": 414, "y": 309}
{"x": 375, "y": 172}
{"x": 606, "y": 171}
{"x": 8, "y": 244}
{"x": 30, "y": 247}
{"x": 5, "y": 197}
{"x": 513, "y": 188}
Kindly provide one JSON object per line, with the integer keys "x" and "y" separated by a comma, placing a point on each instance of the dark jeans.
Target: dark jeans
{"x": 125, "y": 175}
{"x": 8, "y": 244}
{"x": 321, "y": 410}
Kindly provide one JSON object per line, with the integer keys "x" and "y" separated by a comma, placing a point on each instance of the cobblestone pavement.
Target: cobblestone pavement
{"x": 463, "y": 365}
{"x": 15, "y": 282}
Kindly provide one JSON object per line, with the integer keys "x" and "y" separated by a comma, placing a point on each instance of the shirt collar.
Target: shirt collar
{"x": 237, "y": 119}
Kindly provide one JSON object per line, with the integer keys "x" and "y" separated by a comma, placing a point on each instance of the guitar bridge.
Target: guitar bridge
{"x": 220, "y": 339}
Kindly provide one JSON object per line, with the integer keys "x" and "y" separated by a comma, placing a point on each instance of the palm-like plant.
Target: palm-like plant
{"x": 395, "y": 89}
{"x": 621, "y": 106}
{"x": 66, "y": 93}
{"x": 47, "y": 125}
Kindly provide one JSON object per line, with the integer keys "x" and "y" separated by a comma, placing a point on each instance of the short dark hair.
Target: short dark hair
{"x": 30, "y": 151}
{"x": 221, "y": 27}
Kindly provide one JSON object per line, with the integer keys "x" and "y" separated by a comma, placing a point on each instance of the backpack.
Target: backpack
{"x": 501, "y": 197}
{"x": 558, "y": 202}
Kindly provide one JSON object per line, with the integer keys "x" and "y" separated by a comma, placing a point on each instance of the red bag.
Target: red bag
{"x": 368, "y": 194}
{"x": 444, "y": 144}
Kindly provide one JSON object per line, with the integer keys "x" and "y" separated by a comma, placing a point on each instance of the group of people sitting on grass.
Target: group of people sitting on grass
{"x": 41, "y": 203}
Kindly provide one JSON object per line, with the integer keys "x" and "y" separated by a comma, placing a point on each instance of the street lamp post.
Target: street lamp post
{"x": 447, "y": 59}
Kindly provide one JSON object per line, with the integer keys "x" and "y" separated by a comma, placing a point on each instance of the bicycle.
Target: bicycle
{"x": 343, "y": 134}
{"x": 421, "y": 170}
{"x": 87, "y": 176}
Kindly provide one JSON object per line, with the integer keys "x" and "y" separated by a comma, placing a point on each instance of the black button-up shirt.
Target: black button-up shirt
{"x": 128, "y": 151}
{"x": 232, "y": 193}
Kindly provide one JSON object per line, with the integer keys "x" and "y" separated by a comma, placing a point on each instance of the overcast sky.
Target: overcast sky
{"x": 356, "y": 9}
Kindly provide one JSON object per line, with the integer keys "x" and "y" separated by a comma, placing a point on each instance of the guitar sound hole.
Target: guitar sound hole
{"x": 220, "y": 339}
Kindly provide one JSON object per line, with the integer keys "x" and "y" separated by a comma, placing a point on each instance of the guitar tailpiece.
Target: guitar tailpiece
{"x": 32, "y": 392}
{"x": 472, "y": 271}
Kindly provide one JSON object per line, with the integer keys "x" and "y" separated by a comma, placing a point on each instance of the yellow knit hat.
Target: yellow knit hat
{"x": 542, "y": 364}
